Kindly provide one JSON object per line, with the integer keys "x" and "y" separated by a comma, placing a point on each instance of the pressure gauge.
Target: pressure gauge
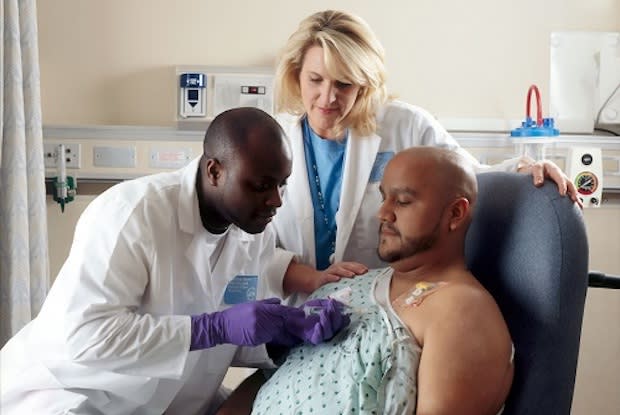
{"x": 586, "y": 183}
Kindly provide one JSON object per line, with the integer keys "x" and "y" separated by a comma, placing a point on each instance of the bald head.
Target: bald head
{"x": 451, "y": 174}
{"x": 243, "y": 170}
{"x": 238, "y": 130}
{"x": 428, "y": 195}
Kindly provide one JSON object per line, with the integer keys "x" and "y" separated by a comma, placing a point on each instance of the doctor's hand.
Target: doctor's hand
{"x": 247, "y": 324}
{"x": 319, "y": 320}
{"x": 327, "y": 318}
{"x": 543, "y": 169}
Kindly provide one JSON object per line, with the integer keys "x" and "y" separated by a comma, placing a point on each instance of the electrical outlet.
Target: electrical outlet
{"x": 72, "y": 155}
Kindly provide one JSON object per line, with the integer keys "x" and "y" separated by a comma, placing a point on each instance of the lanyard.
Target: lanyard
{"x": 324, "y": 218}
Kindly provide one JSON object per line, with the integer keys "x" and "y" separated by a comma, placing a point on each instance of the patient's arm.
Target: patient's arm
{"x": 241, "y": 400}
{"x": 465, "y": 366}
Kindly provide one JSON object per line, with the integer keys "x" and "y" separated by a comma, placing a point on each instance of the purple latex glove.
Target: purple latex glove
{"x": 321, "y": 326}
{"x": 247, "y": 324}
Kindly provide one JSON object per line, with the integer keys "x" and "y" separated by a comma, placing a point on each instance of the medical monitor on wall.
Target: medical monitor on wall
{"x": 584, "y": 83}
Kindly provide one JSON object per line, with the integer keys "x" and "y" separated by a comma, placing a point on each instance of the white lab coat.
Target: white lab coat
{"x": 113, "y": 335}
{"x": 399, "y": 126}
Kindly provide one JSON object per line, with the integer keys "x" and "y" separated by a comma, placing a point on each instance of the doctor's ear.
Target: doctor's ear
{"x": 213, "y": 171}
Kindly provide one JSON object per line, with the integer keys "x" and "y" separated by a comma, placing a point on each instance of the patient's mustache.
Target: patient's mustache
{"x": 389, "y": 228}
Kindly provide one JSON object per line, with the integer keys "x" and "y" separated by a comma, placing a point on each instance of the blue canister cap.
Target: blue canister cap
{"x": 529, "y": 128}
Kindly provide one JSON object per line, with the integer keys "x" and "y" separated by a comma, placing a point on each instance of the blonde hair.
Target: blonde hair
{"x": 352, "y": 53}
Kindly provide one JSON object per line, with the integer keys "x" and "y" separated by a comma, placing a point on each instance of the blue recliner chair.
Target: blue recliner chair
{"x": 528, "y": 247}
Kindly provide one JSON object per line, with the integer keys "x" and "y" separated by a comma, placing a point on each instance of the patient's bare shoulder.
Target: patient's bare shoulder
{"x": 466, "y": 348}
{"x": 435, "y": 304}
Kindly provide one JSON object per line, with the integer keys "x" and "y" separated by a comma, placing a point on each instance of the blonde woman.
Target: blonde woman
{"x": 344, "y": 127}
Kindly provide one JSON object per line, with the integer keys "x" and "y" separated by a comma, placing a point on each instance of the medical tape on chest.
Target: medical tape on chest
{"x": 414, "y": 296}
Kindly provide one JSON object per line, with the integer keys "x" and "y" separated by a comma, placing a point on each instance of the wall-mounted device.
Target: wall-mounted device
{"x": 242, "y": 90}
{"x": 205, "y": 92}
{"x": 192, "y": 95}
{"x": 62, "y": 156}
{"x": 585, "y": 168}
{"x": 584, "y": 82}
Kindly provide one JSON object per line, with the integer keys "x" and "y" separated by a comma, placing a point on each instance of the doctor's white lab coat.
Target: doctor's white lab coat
{"x": 399, "y": 126}
{"x": 113, "y": 335}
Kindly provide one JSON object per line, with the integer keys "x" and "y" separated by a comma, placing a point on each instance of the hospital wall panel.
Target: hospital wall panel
{"x": 113, "y": 61}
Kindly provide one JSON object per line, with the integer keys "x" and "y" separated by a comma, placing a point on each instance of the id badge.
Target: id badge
{"x": 241, "y": 289}
{"x": 376, "y": 174}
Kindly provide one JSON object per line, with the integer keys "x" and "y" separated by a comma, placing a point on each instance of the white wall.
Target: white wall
{"x": 111, "y": 62}
{"x": 598, "y": 371}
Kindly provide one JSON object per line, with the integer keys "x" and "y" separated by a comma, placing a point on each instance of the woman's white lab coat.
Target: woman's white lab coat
{"x": 113, "y": 335}
{"x": 400, "y": 126}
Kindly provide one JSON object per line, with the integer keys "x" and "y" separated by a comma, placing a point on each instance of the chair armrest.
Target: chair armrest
{"x": 600, "y": 280}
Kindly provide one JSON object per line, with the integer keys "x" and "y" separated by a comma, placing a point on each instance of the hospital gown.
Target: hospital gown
{"x": 368, "y": 368}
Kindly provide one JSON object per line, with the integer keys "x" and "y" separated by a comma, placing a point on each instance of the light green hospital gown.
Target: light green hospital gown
{"x": 368, "y": 368}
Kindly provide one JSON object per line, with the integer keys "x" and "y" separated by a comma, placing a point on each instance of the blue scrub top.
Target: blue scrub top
{"x": 324, "y": 162}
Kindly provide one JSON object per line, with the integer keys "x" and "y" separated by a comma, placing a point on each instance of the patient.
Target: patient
{"x": 425, "y": 337}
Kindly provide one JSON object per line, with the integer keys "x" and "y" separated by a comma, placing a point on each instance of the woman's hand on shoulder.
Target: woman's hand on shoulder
{"x": 546, "y": 169}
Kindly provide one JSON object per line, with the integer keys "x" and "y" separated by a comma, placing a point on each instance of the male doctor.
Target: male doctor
{"x": 160, "y": 291}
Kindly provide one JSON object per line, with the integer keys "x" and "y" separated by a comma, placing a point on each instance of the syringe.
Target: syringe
{"x": 346, "y": 309}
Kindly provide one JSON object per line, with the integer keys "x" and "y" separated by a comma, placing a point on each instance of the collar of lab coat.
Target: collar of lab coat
{"x": 359, "y": 160}
{"x": 360, "y": 155}
{"x": 298, "y": 180}
{"x": 188, "y": 212}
